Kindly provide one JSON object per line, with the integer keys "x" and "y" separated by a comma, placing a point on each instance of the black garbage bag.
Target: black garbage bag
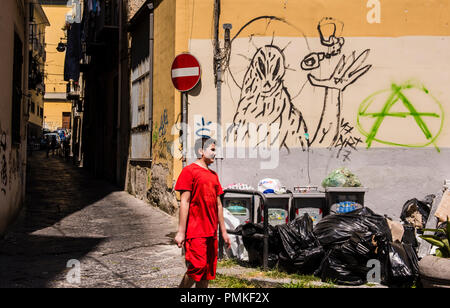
{"x": 409, "y": 236}
{"x": 350, "y": 241}
{"x": 338, "y": 228}
{"x": 301, "y": 251}
{"x": 346, "y": 263}
{"x": 400, "y": 264}
{"x": 416, "y": 212}
{"x": 252, "y": 237}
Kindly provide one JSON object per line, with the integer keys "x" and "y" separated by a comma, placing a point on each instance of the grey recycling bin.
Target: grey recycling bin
{"x": 278, "y": 207}
{"x": 260, "y": 199}
{"x": 312, "y": 203}
{"x": 241, "y": 206}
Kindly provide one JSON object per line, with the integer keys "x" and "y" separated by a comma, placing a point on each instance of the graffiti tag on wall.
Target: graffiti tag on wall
{"x": 203, "y": 127}
{"x": 399, "y": 103}
{"x": 3, "y": 162}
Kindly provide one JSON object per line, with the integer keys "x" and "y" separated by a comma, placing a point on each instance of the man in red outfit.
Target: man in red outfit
{"x": 200, "y": 213}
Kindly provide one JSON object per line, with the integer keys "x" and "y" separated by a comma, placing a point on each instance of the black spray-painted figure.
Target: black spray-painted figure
{"x": 264, "y": 98}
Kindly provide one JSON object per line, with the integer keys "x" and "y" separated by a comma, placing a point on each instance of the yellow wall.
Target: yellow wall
{"x": 53, "y": 114}
{"x": 164, "y": 101}
{"x": 39, "y": 103}
{"x": 36, "y": 96}
{"x": 54, "y": 80}
{"x": 398, "y": 17}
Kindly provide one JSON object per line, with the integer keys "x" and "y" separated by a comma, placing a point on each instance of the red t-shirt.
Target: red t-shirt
{"x": 205, "y": 188}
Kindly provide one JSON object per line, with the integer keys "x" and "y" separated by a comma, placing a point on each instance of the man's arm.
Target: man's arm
{"x": 185, "y": 199}
{"x": 222, "y": 223}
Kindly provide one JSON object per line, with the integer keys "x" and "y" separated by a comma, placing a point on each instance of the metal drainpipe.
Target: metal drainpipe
{"x": 150, "y": 74}
{"x": 219, "y": 122}
{"x": 217, "y": 64}
{"x": 184, "y": 121}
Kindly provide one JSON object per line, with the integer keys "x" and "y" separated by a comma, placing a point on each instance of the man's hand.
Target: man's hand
{"x": 226, "y": 239}
{"x": 179, "y": 239}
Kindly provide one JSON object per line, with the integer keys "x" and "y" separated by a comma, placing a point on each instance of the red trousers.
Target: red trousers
{"x": 201, "y": 258}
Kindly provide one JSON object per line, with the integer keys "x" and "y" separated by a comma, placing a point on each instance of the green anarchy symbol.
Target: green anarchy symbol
{"x": 397, "y": 96}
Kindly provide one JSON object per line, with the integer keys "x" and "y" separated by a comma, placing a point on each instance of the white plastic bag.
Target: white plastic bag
{"x": 269, "y": 185}
{"x": 237, "y": 250}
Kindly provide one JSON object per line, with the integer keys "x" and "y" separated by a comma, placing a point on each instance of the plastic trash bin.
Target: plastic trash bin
{"x": 312, "y": 203}
{"x": 240, "y": 206}
{"x": 264, "y": 237}
{"x": 336, "y": 195}
{"x": 278, "y": 207}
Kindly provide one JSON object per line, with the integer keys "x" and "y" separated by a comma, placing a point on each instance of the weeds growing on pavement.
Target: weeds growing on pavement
{"x": 223, "y": 281}
{"x": 297, "y": 280}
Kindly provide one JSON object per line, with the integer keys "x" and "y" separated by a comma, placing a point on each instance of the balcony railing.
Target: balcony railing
{"x": 101, "y": 28}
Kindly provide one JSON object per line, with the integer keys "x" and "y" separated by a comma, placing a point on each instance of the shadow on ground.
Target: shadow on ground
{"x": 55, "y": 189}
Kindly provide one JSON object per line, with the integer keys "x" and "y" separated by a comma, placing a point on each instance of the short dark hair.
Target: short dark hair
{"x": 203, "y": 143}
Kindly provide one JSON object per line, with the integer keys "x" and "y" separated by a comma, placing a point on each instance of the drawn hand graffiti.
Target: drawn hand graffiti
{"x": 398, "y": 98}
{"x": 346, "y": 73}
{"x": 265, "y": 97}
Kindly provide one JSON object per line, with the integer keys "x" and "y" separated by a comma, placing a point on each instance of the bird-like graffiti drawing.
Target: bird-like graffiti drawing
{"x": 265, "y": 100}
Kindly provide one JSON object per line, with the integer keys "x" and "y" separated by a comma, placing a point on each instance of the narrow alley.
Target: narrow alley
{"x": 311, "y": 136}
{"x": 118, "y": 240}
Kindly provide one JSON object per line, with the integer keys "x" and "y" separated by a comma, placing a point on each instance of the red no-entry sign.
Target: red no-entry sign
{"x": 185, "y": 72}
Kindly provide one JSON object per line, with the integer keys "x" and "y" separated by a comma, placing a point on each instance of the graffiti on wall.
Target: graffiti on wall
{"x": 3, "y": 162}
{"x": 163, "y": 124}
{"x": 399, "y": 103}
{"x": 203, "y": 127}
{"x": 161, "y": 146}
{"x": 265, "y": 97}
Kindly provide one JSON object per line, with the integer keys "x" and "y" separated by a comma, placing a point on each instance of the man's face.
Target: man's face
{"x": 209, "y": 154}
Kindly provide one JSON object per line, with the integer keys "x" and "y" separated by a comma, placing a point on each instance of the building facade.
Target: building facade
{"x": 57, "y": 108}
{"x": 293, "y": 90}
{"x": 36, "y": 85}
{"x": 14, "y": 100}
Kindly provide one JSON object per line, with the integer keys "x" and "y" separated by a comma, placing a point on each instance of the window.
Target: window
{"x": 33, "y": 107}
{"x": 141, "y": 110}
{"x": 16, "y": 89}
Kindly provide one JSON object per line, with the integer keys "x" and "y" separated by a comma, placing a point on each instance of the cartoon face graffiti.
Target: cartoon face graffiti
{"x": 267, "y": 69}
{"x": 265, "y": 100}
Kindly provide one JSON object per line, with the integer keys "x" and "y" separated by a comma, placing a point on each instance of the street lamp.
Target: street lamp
{"x": 61, "y": 46}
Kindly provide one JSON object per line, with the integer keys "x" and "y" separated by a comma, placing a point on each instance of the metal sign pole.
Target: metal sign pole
{"x": 184, "y": 103}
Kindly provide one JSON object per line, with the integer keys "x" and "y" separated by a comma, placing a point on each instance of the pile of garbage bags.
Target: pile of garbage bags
{"x": 345, "y": 248}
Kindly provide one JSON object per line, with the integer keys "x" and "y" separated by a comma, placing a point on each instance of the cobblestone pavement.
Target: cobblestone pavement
{"x": 118, "y": 240}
